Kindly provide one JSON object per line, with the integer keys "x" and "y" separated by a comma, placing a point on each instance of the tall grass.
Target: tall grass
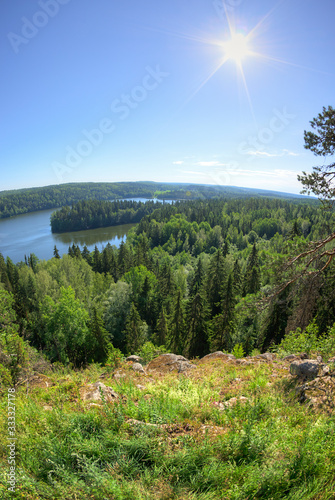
{"x": 270, "y": 447}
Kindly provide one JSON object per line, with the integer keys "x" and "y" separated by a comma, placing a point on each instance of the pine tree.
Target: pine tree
{"x": 56, "y": 253}
{"x": 135, "y": 331}
{"x": 222, "y": 325}
{"x": 197, "y": 331}
{"x": 216, "y": 282}
{"x": 225, "y": 249}
{"x": 123, "y": 259}
{"x": 177, "y": 327}
{"x": 198, "y": 278}
{"x": 252, "y": 282}
{"x": 86, "y": 255}
{"x": 237, "y": 278}
{"x": 100, "y": 348}
{"x": 96, "y": 260}
{"x": 162, "y": 331}
{"x": 3, "y": 273}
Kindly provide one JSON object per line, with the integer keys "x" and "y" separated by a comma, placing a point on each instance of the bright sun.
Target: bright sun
{"x": 236, "y": 48}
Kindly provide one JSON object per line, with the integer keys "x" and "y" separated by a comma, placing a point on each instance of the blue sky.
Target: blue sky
{"x": 127, "y": 90}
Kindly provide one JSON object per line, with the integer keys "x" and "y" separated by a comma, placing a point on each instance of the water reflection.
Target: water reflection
{"x": 93, "y": 236}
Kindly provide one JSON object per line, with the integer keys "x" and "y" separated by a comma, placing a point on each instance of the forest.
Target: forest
{"x": 26, "y": 200}
{"x": 192, "y": 277}
{"x": 94, "y": 213}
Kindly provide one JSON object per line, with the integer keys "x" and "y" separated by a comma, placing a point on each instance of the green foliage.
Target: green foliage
{"x": 267, "y": 448}
{"x": 114, "y": 358}
{"x": 308, "y": 341}
{"x": 13, "y": 350}
{"x": 149, "y": 351}
{"x": 135, "y": 332}
{"x": 68, "y": 337}
{"x": 238, "y": 351}
{"x": 321, "y": 143}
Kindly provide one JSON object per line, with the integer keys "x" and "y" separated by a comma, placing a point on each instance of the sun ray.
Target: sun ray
{"x": 264, "y": 18}
{"x": 217, "y": 67}
{"x": 288, "y": 63}
{"x": 248, "y": 94}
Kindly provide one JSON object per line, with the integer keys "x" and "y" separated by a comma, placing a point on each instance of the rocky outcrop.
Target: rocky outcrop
{"x": 294, "y": 357}
{"x": 170, "y": 362}
{"x": 134, "y": 358}
{"x": 217, "y": 355}
{"x": 308, "y": 368}
{"x": 318, "y": 393}
{"x": 137, "y": 367}
{"x": 266, "y": 356}
{"x": 93, "y": 392}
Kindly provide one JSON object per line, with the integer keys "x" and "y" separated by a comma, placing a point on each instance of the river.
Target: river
{"x": 31, "y": 233}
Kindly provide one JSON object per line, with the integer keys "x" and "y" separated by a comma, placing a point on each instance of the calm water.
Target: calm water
{"x": 31, "y": 233}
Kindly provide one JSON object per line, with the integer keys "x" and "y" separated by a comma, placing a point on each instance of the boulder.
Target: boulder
{"x": 134, "y": 358}
{"x": 217, "y": 355}
{"x": 170, "y": 362}
{"x": 308, "y": 368}
{"x": 92, "y": 392}
{"x": 137, "y": 367}
{"x": 267, "y": 356}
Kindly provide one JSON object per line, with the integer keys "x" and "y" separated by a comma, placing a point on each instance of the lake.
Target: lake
{"x": 31, "y": 233}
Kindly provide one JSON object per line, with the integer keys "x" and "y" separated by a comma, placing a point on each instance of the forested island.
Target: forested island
{"x": 93, "y": 214}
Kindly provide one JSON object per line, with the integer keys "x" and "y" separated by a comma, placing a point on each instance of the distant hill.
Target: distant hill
{"x": 21, "y": 201}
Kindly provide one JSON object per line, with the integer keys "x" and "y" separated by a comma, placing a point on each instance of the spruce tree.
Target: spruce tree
{"x": 162, "y": 332}
{"x": 197, "y": 326}
{"x": 135, "y": 332}
{"x": 222, "y": 325}
{"x": 216, "y": 282}
{"x": 252, "y": 282}
{"x": 56, "y": 253}
{"x": 101, "y": 345}
{"x": 177, "y": 327}
{"x": 198, "y": 278}
{"x": 237, "y": 278}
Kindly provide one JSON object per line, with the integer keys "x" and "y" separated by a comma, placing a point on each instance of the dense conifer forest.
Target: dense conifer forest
{"x": 193, "y": 276}
{"x": 21, "y": 201}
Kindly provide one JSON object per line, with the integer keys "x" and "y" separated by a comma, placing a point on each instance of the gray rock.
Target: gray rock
{"x": 172, "y": 358}
{"x": 93, "y": 392}
{"x": 291, "y": 357}
{"x": 243, "y": 362}
{"x": 308, "y": 368}
{"x": 137, "y": 367}
{"x": 217, "y": 355}
{"x": 267, "y": 356}
{"x": 134, "y": 358}
{"x": 169, "y": 362}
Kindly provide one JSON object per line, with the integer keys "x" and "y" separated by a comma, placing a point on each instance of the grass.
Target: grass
{"x": 269, "y": 447}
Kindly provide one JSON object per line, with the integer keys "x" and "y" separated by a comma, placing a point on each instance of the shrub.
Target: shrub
{"x": 308, "y": 341}
{"x": 238, "y": 351}
{"x": 150, "y": 351}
